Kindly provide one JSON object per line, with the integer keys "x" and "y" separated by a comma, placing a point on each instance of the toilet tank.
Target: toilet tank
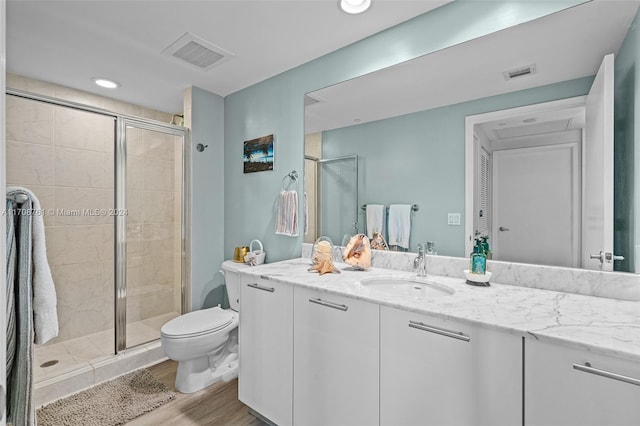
{"x": 231, "y": 271}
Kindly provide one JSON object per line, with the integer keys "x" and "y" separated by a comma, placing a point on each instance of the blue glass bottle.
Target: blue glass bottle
{"x": 478, "y": 260}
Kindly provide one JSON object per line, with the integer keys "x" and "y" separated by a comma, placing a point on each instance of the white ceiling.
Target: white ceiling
{"x": 564, "y": 46}
{"x": 68, "y": 42}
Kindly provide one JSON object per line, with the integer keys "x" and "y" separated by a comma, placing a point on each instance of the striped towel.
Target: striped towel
{"x": 287, "y": 216}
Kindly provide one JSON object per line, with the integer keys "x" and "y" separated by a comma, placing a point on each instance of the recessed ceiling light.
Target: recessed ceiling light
{"x": 105, "y": 82}
{"x": 354, "y": 6}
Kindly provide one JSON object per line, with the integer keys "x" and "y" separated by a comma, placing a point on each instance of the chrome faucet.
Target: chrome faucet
{"x": 420, "y": 262}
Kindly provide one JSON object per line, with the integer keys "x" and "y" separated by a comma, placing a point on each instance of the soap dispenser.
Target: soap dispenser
{"x": 478, "y": 259}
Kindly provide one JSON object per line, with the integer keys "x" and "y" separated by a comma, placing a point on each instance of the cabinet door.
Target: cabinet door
{"x": 440, "y": 372}
{"x": 336, "y": 343}
{"x": 266, "y": 348}
{"x": 561, "y": 389}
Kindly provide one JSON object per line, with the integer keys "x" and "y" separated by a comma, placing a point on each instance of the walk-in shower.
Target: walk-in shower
{"x": 112, "y": 189}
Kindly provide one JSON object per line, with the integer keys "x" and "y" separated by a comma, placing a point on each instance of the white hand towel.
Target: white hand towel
{"x": 45, "y": 316}
{"x": 399, "y": 225}
{"x": 376, "y": 215}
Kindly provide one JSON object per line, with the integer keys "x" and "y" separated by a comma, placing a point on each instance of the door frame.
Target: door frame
{"x": 469, "y": 156}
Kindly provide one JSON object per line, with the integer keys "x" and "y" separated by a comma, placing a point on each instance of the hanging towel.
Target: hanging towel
{"x": 376, "y": 215}
{"x": 19, "y": 402}
{"x": 287, "y": 215}
{"x": 45, "y": 316}
{"x": 399, "y": 225}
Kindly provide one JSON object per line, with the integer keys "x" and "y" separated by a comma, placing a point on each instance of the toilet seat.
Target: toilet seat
{"x": 197, "y": 323}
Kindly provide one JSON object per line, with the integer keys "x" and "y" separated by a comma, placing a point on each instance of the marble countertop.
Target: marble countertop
{"x": 606, "y": 326}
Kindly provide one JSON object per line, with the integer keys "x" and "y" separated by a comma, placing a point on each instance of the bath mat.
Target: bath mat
{"x": 110, "y": 403}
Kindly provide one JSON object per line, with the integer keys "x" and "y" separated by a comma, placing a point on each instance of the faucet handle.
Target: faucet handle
{"x": 421, "y": 249}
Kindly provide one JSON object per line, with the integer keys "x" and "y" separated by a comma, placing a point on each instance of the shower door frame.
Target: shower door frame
{"x": 120, "y": 264}
{"x": 319, "y": 162}
{"x": 120, "y": 223}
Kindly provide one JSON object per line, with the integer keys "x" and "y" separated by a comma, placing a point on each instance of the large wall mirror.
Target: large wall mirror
{"x": 493, "y": 137}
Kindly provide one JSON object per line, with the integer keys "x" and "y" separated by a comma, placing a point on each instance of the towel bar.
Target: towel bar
{"x": 414, "y": 207}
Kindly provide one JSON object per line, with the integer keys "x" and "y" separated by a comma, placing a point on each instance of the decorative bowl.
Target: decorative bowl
{"x": 477, "y": 279}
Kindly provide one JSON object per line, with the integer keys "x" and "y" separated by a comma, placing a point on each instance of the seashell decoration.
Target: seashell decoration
{"x": 378, "y": 242}
{"x": 321, "y": 258}
{"x": 358, "y": 252}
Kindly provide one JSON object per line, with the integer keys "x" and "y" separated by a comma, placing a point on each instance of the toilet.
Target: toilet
{"x": 205, "y": 342}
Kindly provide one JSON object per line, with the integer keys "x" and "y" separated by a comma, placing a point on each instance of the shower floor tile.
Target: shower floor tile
{"x": 77, "y": 353}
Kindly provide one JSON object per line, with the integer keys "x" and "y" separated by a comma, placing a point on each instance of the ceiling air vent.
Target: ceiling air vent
{"x": 197, "y": 52}
{"x": 519, "y": 72}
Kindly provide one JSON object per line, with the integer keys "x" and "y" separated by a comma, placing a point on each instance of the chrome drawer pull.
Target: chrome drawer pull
{"x": 443, "y": 332}
{"x": 329, "y": 304}
{"x": 587, "y": 368}
{"x": 260, "y": 287}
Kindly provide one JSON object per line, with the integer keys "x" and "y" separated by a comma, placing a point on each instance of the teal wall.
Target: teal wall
{"x": 207, "y": 214}
{"x": 276, "y": 106}
{"x": 419, "y": 158}
{"x": 627, "y": 151}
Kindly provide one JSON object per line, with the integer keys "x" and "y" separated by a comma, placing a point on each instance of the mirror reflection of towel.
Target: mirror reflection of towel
{"x": 399, "y": 225}
{"x": 375, "y": 219}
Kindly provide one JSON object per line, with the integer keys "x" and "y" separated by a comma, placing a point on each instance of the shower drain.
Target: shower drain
{"x": 49, "y": 363}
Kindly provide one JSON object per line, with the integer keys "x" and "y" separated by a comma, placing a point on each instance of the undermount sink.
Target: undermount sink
{"x": 407, "y": 287}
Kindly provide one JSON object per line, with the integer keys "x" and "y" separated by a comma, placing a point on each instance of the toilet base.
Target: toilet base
{"x": 196, "y": 374}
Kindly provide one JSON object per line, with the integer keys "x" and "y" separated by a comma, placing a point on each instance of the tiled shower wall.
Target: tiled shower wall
{"x": 66, "y": 157}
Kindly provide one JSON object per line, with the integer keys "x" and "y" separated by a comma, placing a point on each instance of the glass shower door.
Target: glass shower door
{"x": 150, "y": 230}
{"x": 338, "y": 197}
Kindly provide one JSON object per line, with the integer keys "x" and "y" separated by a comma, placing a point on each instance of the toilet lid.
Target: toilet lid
{"x": 197, "y": 323}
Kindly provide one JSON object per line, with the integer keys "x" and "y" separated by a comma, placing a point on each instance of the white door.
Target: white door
{"x": 536, "y": 205}
{"x": 598, "y": 170}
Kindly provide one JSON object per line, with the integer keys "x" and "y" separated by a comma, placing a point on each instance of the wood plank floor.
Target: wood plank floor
{"x": 217, "y": 404}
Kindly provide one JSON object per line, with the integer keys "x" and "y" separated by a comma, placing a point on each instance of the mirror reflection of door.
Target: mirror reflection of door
{"x": 536, "y": 204}
{"x": 598, "y": 171}
{"x": 550, "y": 180}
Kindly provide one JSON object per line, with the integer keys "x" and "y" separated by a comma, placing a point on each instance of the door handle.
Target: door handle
{"x": 326, "y": 303}
{"x": 263, "y": 288}
{"x": 587, "y": 368}
{"x": 605, "y": 257}
{"x": 441, "y": 331}
{"x": 502, "y": 229}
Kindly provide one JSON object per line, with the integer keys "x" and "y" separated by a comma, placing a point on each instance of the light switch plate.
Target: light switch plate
{"x": 453, "y": 219}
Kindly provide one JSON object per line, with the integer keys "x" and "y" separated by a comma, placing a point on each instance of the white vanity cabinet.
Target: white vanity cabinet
{"x": 566, "y": 386}
{"x": 266, "y": 352}
{"x": 445, "y": 372}
{"x": 336, "y": 344}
